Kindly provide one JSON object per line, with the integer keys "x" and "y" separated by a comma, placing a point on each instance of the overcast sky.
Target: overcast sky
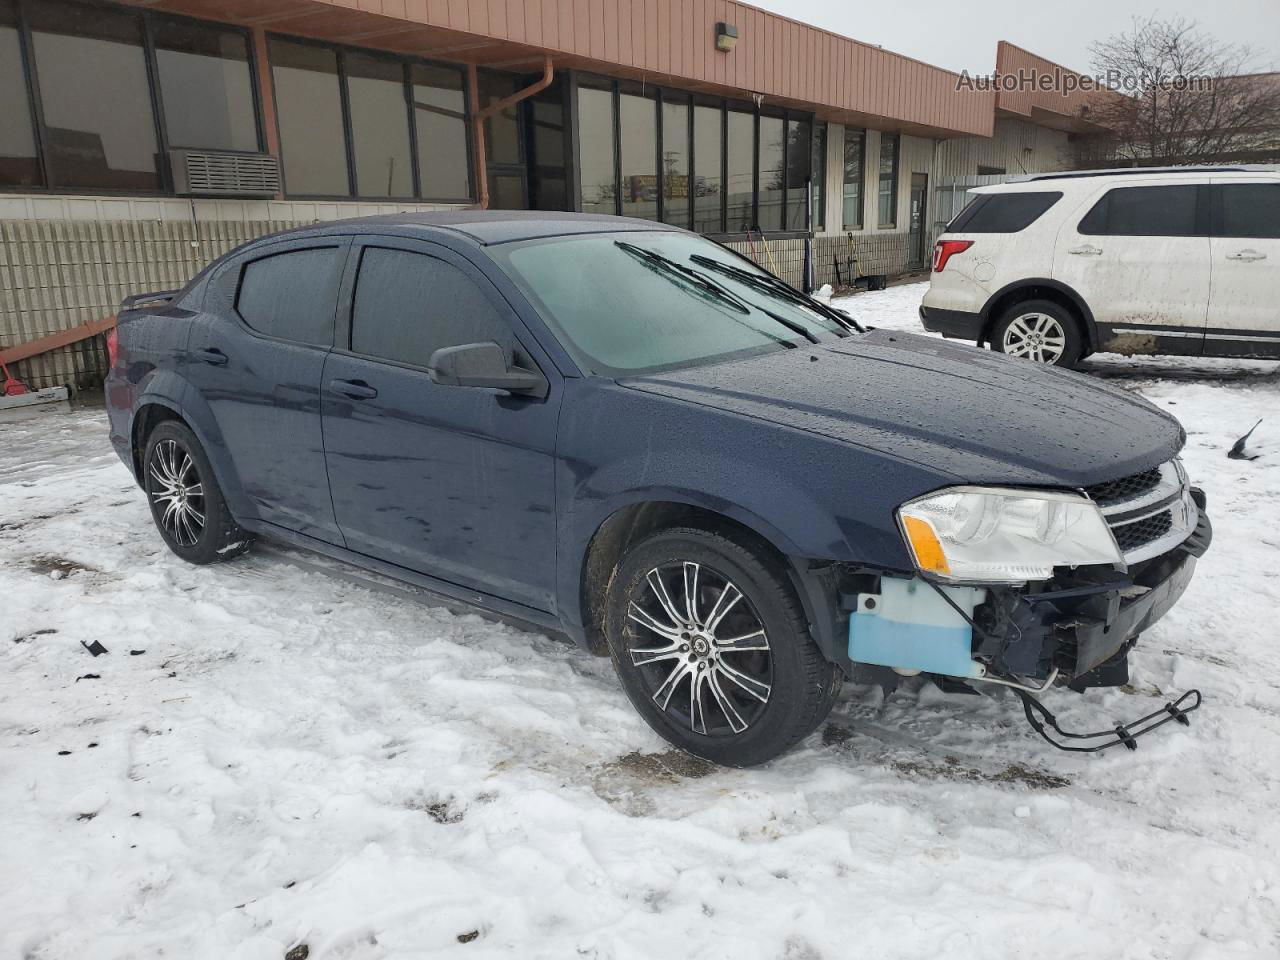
{"x": 961, "y": 36}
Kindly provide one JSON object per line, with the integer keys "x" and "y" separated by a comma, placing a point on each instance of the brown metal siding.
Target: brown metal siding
{"x": 1011, "y": 60}
{"x": 671, "y": 41}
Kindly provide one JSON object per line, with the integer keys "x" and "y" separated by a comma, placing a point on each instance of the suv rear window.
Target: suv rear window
{"x": 1247, "y": 210}
{"x": 1003, "y": 212}
{"x": 1145, "y": 212}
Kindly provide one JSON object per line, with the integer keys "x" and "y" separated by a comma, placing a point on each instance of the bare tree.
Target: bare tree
{"x": 1180, "y": 96}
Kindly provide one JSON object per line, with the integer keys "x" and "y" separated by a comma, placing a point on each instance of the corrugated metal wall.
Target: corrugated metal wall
{"x": 58, "y": 274}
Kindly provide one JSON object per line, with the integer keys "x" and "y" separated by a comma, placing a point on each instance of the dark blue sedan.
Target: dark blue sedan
{"x": 630, "y": 434}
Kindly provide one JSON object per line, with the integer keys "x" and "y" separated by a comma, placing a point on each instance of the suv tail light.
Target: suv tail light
{"x": 944, "y": 250}
{"x": 113, "y": 345}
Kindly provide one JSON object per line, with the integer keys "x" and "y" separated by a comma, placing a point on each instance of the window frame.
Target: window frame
{"x": 255, "y": 89}
{"x": 35, "y": 113}
{"x": 818, "y": 143}
{"x": 1218, "y": 209}
{"x": 237, "y": 268}
{"x": 693, "y": 100}
{"x": 895, "y": 179}
{"x": 147, "y": 18}
{"x": 341, "y": 51}
{"x": 531, "y": 352}
{"x": 861, "y": 181}
{"x": 1201, "y": 223}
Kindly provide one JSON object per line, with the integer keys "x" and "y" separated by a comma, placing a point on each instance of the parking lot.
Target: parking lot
{"x": 282, "y": 751}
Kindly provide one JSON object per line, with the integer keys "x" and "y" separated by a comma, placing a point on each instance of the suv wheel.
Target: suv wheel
{"x": 185, "y": 500}
{"x": 1039, "y": 330}
{"x": 713, "y": 649}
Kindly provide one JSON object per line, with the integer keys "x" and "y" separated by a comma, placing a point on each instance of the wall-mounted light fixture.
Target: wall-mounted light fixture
{"x": 726, "y": 36}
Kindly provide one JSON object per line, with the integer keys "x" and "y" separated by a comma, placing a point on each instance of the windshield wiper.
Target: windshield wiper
{"x": 687, "y": 273}
{"x": 782, "y": 289}
{"x": 716, "y": 289}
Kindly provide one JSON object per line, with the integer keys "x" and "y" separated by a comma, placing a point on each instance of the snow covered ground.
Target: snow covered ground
{"x": 272, "y": 755}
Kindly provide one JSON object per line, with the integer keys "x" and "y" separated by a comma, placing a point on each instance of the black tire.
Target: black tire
{"x": 799, "y": 683}
{"x": 1056, "y": 317}
{"x": 174, "y": 454}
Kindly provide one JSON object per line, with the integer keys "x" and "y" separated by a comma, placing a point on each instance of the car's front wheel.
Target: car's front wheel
{"x": 1039, "y": 330}
{"x": 186, "y": 502}
{"x": 713, "y": 649}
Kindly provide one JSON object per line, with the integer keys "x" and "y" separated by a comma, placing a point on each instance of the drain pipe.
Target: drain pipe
{"x": 478, "y": 117}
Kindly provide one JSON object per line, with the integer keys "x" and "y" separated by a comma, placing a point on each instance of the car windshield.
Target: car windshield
{"x": 638, "y": 302}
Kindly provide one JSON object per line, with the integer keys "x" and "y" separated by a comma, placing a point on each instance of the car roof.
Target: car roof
{"x": 1087, "y": 178}
{"x": 487, "y": 227}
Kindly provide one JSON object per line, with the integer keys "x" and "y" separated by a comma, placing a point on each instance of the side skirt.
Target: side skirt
{"x": 429, "y": 590}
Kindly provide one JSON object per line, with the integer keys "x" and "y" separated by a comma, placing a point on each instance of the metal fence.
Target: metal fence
{"x": 58, "y": 274}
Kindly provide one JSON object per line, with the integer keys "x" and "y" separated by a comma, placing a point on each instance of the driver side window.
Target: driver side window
{"x": 408, "y": 305}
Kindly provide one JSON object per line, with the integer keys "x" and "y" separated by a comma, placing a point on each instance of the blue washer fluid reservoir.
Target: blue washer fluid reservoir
{"x": 909, "y": 627}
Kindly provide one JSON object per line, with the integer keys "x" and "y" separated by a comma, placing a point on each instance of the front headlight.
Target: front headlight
{"x": 1000, "y": 535}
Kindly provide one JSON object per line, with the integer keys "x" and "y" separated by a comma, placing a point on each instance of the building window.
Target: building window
{"x": 504, "y": 151}
{"x": 19, "y": 162}
{"x": 708, "y": 161}
{"x": 889, "y": 144}
{"x": 855, "y": 151}
{"x": 638, "y": 129}
{"x": 309, "y": 111}
{"x": 99, "y": 128}
{"x": 799, "y": 160}
{"x": 819, "y": 165}
{"x": 392, "y": 120}
{"x": 440, "y": 123}
{"x": 772, "y": 167}
{"x": 740, "y": 171}
{"x": 205, "y": 86}
{"x": 596, "y": 149}
{"x": 379, "y": 126}
{"x": 985, "y": 171}
{"x": 675, "y": 161}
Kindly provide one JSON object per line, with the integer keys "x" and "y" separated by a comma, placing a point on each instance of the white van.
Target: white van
{"x": 1182, "y": 260}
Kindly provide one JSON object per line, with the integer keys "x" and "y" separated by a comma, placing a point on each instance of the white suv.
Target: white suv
{"x": 1054, "y": 267}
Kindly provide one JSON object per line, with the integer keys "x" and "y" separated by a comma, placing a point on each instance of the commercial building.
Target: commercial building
{"x": 139, "y": 140}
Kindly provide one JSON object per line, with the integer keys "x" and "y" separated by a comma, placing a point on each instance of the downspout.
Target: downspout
{"x": 478, "y": 117}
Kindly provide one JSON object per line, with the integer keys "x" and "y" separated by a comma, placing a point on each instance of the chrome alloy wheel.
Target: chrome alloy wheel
{"x": 701, "y": 648}
{"x": 177, "y": 492}
{"x": 1036, "y": 336}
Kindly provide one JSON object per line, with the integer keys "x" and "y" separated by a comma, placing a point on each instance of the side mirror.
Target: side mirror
{"x": 483, "y": 365}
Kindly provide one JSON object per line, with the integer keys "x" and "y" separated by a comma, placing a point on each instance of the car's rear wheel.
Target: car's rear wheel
{"x": 1041, "y": 331}
{"x": 186, "y": 502}
{"x": 713, "y": 649}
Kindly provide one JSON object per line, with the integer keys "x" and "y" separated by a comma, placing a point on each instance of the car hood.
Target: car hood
{"x": 976, "y": 416}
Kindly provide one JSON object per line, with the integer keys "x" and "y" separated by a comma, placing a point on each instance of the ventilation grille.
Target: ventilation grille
{"x": 202, "y": 173}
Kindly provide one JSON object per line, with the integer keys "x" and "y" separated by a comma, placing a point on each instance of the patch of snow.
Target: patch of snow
{"x": 305, "y": 757}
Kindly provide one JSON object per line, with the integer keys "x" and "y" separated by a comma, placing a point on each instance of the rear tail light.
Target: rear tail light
{"x": 944, "y": 250}
{"x": 113, "y": 345}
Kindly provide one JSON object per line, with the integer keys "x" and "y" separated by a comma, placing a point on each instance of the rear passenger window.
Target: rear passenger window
{"x": 291, "y": 295}
{"x": 409, "y": 305}
{"x": 1003, "y": 212}
{"x": 1144, "y": 212}
{"x": 1247, "y": 210}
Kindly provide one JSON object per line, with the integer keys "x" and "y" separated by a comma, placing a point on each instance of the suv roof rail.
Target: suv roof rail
{"x": 1144, "y": 171}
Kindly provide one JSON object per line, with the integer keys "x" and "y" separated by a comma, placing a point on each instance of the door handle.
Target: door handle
{"x": 354, "y": 389}
{"x": 211, "y": 355}
{"x": 1246, "y": 255}
{"x": 1085, "y": 251}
